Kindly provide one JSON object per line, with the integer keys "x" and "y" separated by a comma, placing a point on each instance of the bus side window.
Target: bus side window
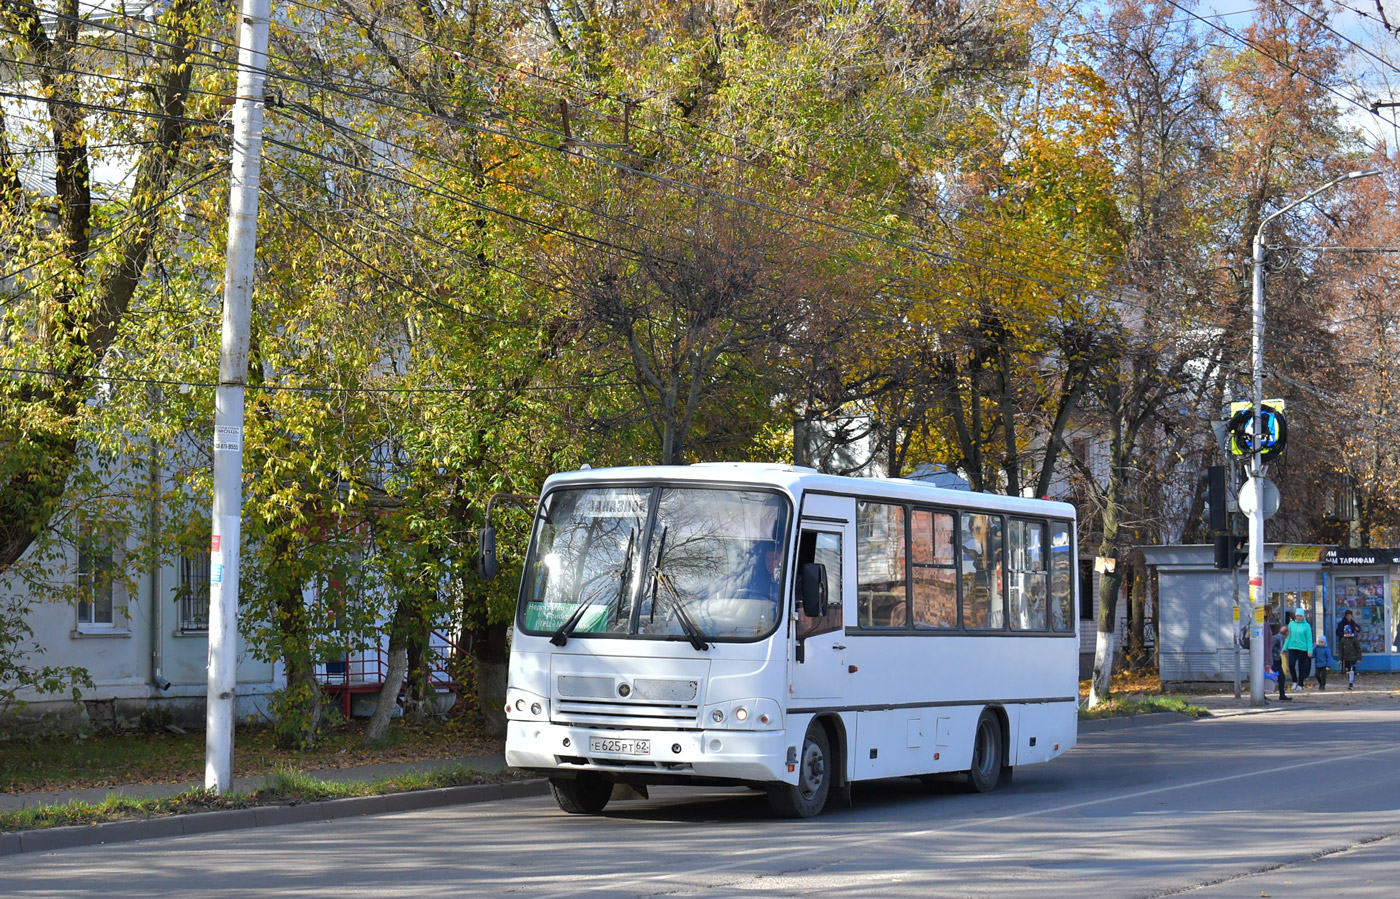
{"x": 982, "y": 558}
{"x": 823, "y": 547}
{"x": 881, "y": 568}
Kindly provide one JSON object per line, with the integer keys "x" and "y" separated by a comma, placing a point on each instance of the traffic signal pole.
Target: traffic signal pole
{"x": 1259, "y": 638}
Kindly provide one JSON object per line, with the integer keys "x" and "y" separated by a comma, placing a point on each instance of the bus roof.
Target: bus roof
{"x": 797, "y": 479}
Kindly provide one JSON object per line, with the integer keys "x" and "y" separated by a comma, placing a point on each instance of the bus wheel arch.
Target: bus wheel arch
{"x": 836, "y": 740}
{"x": 989, "y": 751}
{"x": 818, "y": 775}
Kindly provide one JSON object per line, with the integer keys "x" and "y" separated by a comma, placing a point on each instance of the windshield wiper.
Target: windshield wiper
{"x": 566, "y": 629}
{"x": 659, "y": 579}
{"x": 561, "y": 636}
{"x": 692, "y": 631}
{"x": 625, "y": 581}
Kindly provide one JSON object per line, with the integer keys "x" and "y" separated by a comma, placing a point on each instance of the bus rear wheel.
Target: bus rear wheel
{"x": 985, "y": 772}
{"x": 586, "y": 794}
{"x": 807, "y": 797}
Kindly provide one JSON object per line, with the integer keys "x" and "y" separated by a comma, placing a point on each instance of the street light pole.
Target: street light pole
{"x": 1258, "y": 597}
{"x": 227, "y": 521}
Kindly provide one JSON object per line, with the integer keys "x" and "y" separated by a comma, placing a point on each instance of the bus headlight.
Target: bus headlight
{"x": 745, "y": 714}
{"x": 525, "y": 706}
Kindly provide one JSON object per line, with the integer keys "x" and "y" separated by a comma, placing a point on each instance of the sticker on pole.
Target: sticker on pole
{"x": 216, "y": 573}
{"x": 214, "y": 543}
{"x": 228, "y": 439}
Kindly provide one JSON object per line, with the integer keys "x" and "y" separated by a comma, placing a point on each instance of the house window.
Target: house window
{"x": 194, "y": 593}
{"x": 96, "y": 581}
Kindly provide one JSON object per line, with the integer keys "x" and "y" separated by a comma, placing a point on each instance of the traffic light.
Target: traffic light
{"x": 1230, "y": 550}
{"x": 1215, "y": 497}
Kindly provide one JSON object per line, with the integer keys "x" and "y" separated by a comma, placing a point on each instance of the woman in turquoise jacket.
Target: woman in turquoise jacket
{"x": 1299, "y": 647}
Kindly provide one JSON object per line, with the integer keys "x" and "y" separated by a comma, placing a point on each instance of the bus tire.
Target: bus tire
{"x": 808, "y": 796}
{"x": 985, "y": 773}
{"x": 586, "y": 794}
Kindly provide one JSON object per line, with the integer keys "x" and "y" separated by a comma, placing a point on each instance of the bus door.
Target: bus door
{"x": 817, "y": 661}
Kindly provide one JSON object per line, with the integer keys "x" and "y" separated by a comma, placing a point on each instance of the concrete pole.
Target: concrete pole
{"x": 1258, "y": 638}
{"x": 225, "y": 545}
{"x": 1258, "y": 596}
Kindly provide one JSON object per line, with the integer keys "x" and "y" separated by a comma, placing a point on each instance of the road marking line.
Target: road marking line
{"x": 613, "y": 882}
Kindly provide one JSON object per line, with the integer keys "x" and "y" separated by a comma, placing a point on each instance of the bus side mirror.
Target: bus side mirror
{"x": 813, "y": 589}
{"x": 486, "y": 564}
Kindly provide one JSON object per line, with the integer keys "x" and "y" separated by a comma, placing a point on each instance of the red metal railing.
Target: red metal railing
{"x": 362, "y": 671}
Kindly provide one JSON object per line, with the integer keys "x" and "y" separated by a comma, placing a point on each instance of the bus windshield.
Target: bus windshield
{"x": 684, "y": 563}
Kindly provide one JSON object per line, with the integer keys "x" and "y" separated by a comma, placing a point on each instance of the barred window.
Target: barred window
{"x": 194, "y": 592}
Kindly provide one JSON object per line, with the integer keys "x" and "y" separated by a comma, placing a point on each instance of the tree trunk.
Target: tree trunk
{"x": 492, "y": 672}
{"x": 388, "y": 696}
{"x": 1109, "y": 583}
{"x": 1137, "y": 641}
{"x": 299, "y": 712}
{"x": 418, "y": 689}
{"x": 399, "y": 629}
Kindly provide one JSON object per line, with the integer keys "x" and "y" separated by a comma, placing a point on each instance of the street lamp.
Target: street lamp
{"x": 1257, "y": 595}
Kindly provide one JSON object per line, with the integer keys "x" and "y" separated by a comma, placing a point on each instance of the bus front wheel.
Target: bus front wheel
{"x": 985, "y": 772}
{"x": 584, "y": 795}
{"x": 807, "y": 797}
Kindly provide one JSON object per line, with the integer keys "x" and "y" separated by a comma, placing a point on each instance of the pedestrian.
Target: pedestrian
{"x": 1322, "y": 661}
{"x": 1349, "y": 647}
{"x": 1299, "y": 647}
{"x": 1277, "y": 647}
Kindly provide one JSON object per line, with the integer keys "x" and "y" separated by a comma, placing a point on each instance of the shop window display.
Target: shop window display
{"x": 1365, "y": 596}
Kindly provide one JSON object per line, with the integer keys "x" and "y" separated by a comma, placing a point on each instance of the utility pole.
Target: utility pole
{"x": 1258, "y": 596}
{"x": 225, "y": 543}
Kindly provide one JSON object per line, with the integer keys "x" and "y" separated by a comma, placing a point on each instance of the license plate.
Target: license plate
{"x": 619, "y": 747}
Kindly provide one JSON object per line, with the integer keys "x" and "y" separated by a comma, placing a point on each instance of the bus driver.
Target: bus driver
{"x": 766, "y": 575}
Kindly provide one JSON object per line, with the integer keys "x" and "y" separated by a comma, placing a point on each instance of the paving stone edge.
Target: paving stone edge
{"x": 53, "y": 838}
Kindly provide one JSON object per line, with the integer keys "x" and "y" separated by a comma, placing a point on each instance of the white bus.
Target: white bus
{"x": 788, "y": 630}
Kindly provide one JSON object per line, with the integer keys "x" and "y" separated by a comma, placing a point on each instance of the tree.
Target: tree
{"x": 1154, "y": 68}
{"x": 1355, "y": 394}
{"x": 76, "y": 251}
{"x": 77, "y": 261}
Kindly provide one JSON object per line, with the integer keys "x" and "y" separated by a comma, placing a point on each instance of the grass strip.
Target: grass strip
{"x": 284, "y": 786}
{"x": 1114, "y": 707}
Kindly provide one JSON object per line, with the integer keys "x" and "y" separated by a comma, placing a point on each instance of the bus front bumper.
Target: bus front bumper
{"x": 732, "y": 754}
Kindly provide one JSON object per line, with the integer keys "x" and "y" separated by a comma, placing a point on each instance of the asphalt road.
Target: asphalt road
{"x": 1297, "y": 802}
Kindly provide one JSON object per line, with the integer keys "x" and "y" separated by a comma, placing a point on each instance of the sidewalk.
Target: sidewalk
{"x": 1371, "y": 688}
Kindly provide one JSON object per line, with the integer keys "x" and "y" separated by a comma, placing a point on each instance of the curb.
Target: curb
{"x": 50, "y": 839}
{"x": 1123, "y": 722}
